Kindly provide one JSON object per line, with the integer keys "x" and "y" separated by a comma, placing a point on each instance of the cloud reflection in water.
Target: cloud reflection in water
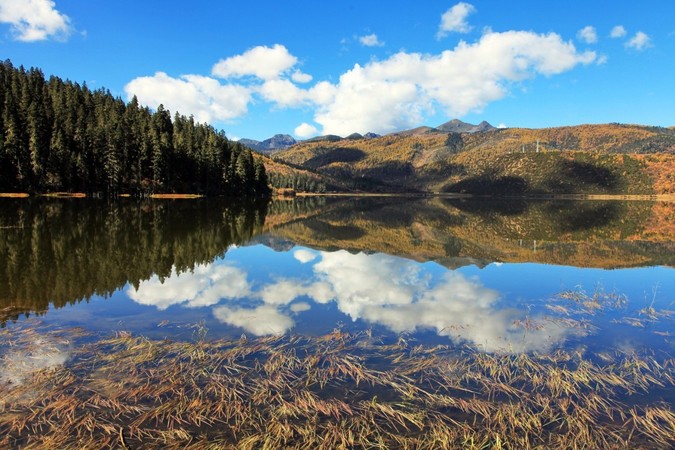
{"x": 205, "y": 285}
{"x": 399, "y": 294}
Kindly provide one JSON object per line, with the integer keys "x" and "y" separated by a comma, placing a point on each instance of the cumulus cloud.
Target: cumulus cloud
{"x": 454, "y": 20}
{"x": 300, "y": 307}
{"x": 205, "y": 285}
{"x": 262, "y": 62}
{"x": 204, "y": 97}
{"x": 381, "y": 96}
{"x": 399, "y": 294}
{"x": 305, "y": 130}
{"x": 370, "y": 40}
{"x": 260, "y": 321}
{"x": 588, "y": 35}
{"x": 300, "y": 77}
{"x": 303, "y": 255}
{"x": 360, "y": 281}
{"x": 395, "y": 93}
{"x": 639, "y": 42}
{"x": 283, "y": 93}
{"x": 34, "y": 20}
{"x": 617, "y": 32}
{"x": 284, "y": 291}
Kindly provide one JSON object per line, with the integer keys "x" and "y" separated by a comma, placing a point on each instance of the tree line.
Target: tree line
{"x": 59, "y": 135}
{"x": 297, "y": 181}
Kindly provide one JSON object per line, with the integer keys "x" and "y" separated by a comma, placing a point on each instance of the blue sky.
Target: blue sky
{"x": 304, "y": 68}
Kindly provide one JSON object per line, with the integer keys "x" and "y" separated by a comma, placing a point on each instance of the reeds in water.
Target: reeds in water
{"x": 339, "y": 390}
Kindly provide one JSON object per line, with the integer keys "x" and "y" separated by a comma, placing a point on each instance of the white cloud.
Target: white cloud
{"x": 617, "y": 32}
{"x": 400, "y": 295}
{"x": 588, "y": 35}
{"x": 639, "y": 42}
{"x": 300, "y": 307}
{"x": 304, "y": 131}
{"x": 263, "y": 62}
{"x": 205, "y": 285}
{"x": 381, "y": 96}
{"x": 454, "y": 20}
{"x": 203, "y": 97}
{"x": 282, "y": 292}
{"x": 260, "y": 321}
{"x": 370, "y": 40}
{"x": 303, "y": 255}
{"x": 284, "y": 93}
{"x": 300, "y": 77}
{"x": 34, "y": 20}
{"x": 398, "y": 92}
{"x": 502, "y": 125}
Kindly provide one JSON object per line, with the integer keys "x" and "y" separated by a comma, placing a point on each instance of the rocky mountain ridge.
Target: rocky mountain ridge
{"x": 284, "y": 141}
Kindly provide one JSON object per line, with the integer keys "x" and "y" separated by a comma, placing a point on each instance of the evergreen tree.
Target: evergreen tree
{"x": 57, "y": 135}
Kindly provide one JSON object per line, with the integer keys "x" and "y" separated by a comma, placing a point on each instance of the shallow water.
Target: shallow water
{"x": 391, "y": 322}
{"x": 483, "y": 273}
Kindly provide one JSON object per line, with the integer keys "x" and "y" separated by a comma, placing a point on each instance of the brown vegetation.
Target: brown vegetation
{"x": 596, "y": 159}
{"x": 338, "y": 390}
{"x": 175, "y": 196}
{"x": 65, "y": 194}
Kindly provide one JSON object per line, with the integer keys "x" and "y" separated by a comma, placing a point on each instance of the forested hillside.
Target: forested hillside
{"x": 61, "y": 136}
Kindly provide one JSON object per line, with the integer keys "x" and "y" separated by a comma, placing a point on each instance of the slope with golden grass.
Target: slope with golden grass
{"x": 282, "y": 169}
{"x": 607, "y": 159}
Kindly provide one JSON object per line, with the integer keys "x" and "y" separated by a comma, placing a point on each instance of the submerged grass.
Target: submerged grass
{"x": 339, "y": 390}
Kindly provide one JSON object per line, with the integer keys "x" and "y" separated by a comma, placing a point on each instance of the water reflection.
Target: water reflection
{"x": 380, "y": 290}
{"x": 366, "y": 262}
{"x": 459, "y": 232}
{"x": 33, "y": 354}
{"x": 62, "y": 251}
{"x": 205, "y": 285}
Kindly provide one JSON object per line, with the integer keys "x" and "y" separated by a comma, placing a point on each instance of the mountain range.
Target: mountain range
{"x": 455, "y": 157}
{"x": 276, "y": 142}
{"x": 284, "y": 141}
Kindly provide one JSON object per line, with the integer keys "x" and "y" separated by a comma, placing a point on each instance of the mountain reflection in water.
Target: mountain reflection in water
{"x": 306, "y": 265}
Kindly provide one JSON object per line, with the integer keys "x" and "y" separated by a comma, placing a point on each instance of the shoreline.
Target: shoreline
{"x": 614, "y": 197}
{"x": 627, "y": 197}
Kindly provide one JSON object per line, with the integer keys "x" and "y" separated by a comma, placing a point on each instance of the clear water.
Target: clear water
{"x": 480, "y": 273}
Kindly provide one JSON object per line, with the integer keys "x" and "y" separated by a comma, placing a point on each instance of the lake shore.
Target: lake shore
{"x": 630, "y": 197}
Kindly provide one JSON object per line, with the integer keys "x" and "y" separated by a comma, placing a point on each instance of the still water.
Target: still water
{"x": 337, "y": 323}
{"x": 460, "y": 272}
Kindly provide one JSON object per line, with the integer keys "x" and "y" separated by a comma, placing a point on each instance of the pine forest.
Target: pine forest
{"x": 62, "y": 136}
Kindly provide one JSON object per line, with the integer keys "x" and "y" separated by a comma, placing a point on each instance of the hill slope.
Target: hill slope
{"x": 584, "y": 159}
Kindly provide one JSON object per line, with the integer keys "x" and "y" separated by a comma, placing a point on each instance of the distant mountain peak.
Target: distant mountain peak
{"x": 457, "y": 126}
{"x": 276, "y": 142}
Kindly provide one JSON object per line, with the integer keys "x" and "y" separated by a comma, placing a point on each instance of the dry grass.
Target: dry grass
{"x": 339, "y": 390}
{"x": 14, "y": 195}
{"x": 176, "y": 196}
{"x": 64, "y": 195}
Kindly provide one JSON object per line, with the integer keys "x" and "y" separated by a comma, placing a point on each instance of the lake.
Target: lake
{"x": 448, "y": 311}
